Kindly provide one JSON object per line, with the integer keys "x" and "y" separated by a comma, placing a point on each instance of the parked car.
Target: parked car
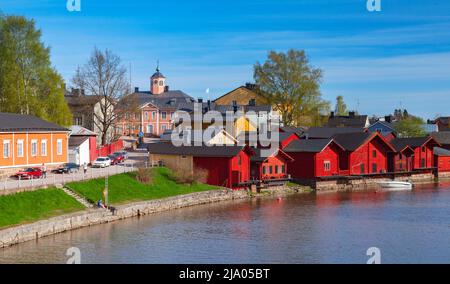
{"x": 123, "y": 153}
{"x": 101, "y": 162}
{"x": 115, "y": 159}
{"x": 67, "y": 168}
{"x": 29, "y": 173}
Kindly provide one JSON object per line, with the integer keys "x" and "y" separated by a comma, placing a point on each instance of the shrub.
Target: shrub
{"x": 200, "y": 175}
{"x": 182, "y": 176}
{"x": 144, "y": 176}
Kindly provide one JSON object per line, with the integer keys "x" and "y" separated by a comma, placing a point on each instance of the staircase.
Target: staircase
{"x": 78, "y": 197}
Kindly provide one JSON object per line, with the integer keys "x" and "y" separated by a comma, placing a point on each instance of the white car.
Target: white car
{"x": 102, "y": 162}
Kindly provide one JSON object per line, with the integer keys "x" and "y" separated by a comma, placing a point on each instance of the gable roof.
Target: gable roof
{"x": 383, "y": 123}
{"x": 411, "y": 142}
{"x": 77, "y": 130}
{"x": 348, "y": 121}
{"x": 196, "y": 151}
{"x": 257, "y": 157}
{"x": 328, "y": 132}
{"x": 309, "y": 145}
{"x": 442, "y": 138}
{"x": 245, "y": 88}
{"x": 353, "y": 141}
{"x": 298, "y": 130}
{"x": 12, "y": 122}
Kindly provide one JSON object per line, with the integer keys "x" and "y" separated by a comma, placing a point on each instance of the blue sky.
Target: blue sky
{"x": 378, "y": 61}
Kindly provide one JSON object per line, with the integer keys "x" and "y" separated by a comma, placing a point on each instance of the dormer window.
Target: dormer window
{"x": 155, "y": 82}
{"x": 160, "y": 83}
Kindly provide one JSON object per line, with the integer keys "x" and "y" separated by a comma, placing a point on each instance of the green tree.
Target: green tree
{"x": 292, "y": 86}
{"x": 410, "y": 127}
{"x": 341, "y": 107}
{"x": 28, "y": 83}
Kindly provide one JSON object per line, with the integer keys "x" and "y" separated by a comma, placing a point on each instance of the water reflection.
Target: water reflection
{"x": 408, "y": 227}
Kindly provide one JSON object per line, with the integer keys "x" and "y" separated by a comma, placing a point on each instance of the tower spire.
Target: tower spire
{"x": 157, "y": 65}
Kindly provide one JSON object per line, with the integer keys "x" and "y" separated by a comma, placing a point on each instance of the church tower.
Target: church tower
{"x": 157, "y": 82}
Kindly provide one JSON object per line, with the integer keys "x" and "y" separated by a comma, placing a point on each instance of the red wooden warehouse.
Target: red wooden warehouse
{"x": 403, "y": 159}
{"x": 442, "y": 159}
{"x": 269, "y": 164}
{"x": 423, "y": 150}
{"x": 365, "y": 153}
{"x": 313, "y": 158}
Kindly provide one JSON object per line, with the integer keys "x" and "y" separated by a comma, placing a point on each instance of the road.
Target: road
{"x": 136, "y": 159}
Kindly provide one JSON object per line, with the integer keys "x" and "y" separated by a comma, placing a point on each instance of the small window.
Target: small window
{"x": 59, "y": 147}
{"x": 146, "y": 115}
{"x": 163, "y": 115}
{"x": 283, "y": 169}
{"x": 161, "y": 83}
{"x": 423, "y": 149}
{"x": 239, "y": 160}
{"x": 374, "y": 153}
{"x": 276, "y": 169}
{"x": 34, "y": 148}
{"x": 423, "y": 163}
{"x": 264, "y": 170}
{"x": 327, "y": 165}
{"x": 374, "y": 168}
{"x": 362, "y": 168}
{"x": 44, "y": 147}
{"x": 20, "y": 148}
{"x": 270, "y": 169}
{"x": 184, "y": 157}
{"x": 154, "y": 114}
{"x": 6, "y": 149}
{"x": 401, "y": 166}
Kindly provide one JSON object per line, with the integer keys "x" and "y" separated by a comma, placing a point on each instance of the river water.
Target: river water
{"x": 407, "y": 227}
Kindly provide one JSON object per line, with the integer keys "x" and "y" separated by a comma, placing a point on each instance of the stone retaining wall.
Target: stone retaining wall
{"x": 90, "y": 217}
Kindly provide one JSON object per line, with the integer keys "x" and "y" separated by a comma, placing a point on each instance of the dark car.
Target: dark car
{"x": 67, "y": 168}
{"x": 115, "y": 159}
{"x": 29, "y": 173}
{"x": 124, "y": 154}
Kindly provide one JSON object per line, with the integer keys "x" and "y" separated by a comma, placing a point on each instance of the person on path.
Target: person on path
{"x": 44, "y": 171}
{"x": 85, "y": 168}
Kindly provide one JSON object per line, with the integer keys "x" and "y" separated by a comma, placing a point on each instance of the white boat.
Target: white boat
{"x": 395, "y": 185}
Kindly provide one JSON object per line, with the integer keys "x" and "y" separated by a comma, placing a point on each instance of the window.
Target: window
{"x": 171, "y": 115}
{"x": 20, "y": 148}
{"x": 374, "y": 168}
{"x": 374, "y": 153}
{"x": 400, "y": 156}
{"x": 44, "y": 147}
{"x": 155, "y": 82}
{"x": 239, "y": 160}
{"x": 283, "y": 169}
{"x": 276, "y": 169}
{"x": 362, "y": 168}
{"x": 423, "y": 149}
{"x": 327, "y": 165}
{"x": 6, "y": 149}
{"x": 149, "y": 128}
{"x": 146, "y": 115}
{"x": 270, "y": 169}
{"x": 161, "y": 83}
{"x": 34, "y": 148}
{"x": 154, "y": 115}
{"x": 422, "y": 162}
{"x": 163, "y": 127}
{"x": 183, "y": 157}
{"x": 163, "y": 115}
{"x": 78, "y": 120}
{"x": 401, "y": 165}
{"x": 264, "y": 170}
{"x": 59, "y": 147}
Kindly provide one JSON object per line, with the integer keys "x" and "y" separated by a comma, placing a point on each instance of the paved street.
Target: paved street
{"x": 136, "y": 159}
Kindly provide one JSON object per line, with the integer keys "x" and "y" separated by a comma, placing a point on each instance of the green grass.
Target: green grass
{"x": 26, "y": 207}
{"x": 292, "y": 184}
{"x": 125, "y": 188}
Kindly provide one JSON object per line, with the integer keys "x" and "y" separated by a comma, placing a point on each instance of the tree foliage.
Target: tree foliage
{"x": 341, "y": 107}
{"x": 410, "y": 127}
{"x": 104, "y": 76}
{"x": 292, "y": 86}
{"x": 28, "y": 82}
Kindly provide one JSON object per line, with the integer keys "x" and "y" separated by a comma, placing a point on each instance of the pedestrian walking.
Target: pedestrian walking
{"x": 85, "y": 168}
{"x": 44, "y": 170}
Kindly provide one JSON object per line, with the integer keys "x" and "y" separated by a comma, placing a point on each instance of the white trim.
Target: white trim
{"x": 42, "y": 141}
{"x": 6, "y": 141}
{"x": 30, "y": 165}
{"x": 58, "y": 153}
{"x": 23, "y": 148}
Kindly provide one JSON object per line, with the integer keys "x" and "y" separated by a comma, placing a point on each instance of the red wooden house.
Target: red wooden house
{"x": 314, "y": 158}
{"x": 402, "y": 160}
{"x": 442, "y": 159}
{"x": 365, "y": 153}
{"x": 227, "y": 166}
{"x": 270, "y": 165}
{"x": 423, "y": 150}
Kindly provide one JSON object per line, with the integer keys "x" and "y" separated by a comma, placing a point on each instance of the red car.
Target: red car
{"x": 115, "y": 159}
{"x": 30, "y": 173}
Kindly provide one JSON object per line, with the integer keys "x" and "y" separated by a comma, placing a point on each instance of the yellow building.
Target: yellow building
{"x": 243, "y": 95}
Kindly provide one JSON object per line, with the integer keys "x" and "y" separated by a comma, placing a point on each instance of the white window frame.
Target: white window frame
{"x": 6, "y": 146}
{"x": 163, "y": 115}
{"x": 20, "y": 148}
{"x": 35, "y": 152}
{"x": 327, "y": 166}
{"x": 44, "y": 153}
{"x": 59, "y": 147}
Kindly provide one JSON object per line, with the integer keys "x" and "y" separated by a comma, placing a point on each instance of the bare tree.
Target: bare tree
{"x": 104, "y": 76}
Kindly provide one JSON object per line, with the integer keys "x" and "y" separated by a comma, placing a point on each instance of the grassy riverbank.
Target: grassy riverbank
{"x": 124, "y": 188}
{"x": 26, "y": 207}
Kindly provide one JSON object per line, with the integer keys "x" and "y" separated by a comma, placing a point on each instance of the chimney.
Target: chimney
{"x": 136, "y": 89}
{"x": 387, "y": 118}
{"x": 200, "y": 100}
{"x": 351, "y": 114}
{"x": 332, "y": 114}
{"x": 166, "y": 88}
